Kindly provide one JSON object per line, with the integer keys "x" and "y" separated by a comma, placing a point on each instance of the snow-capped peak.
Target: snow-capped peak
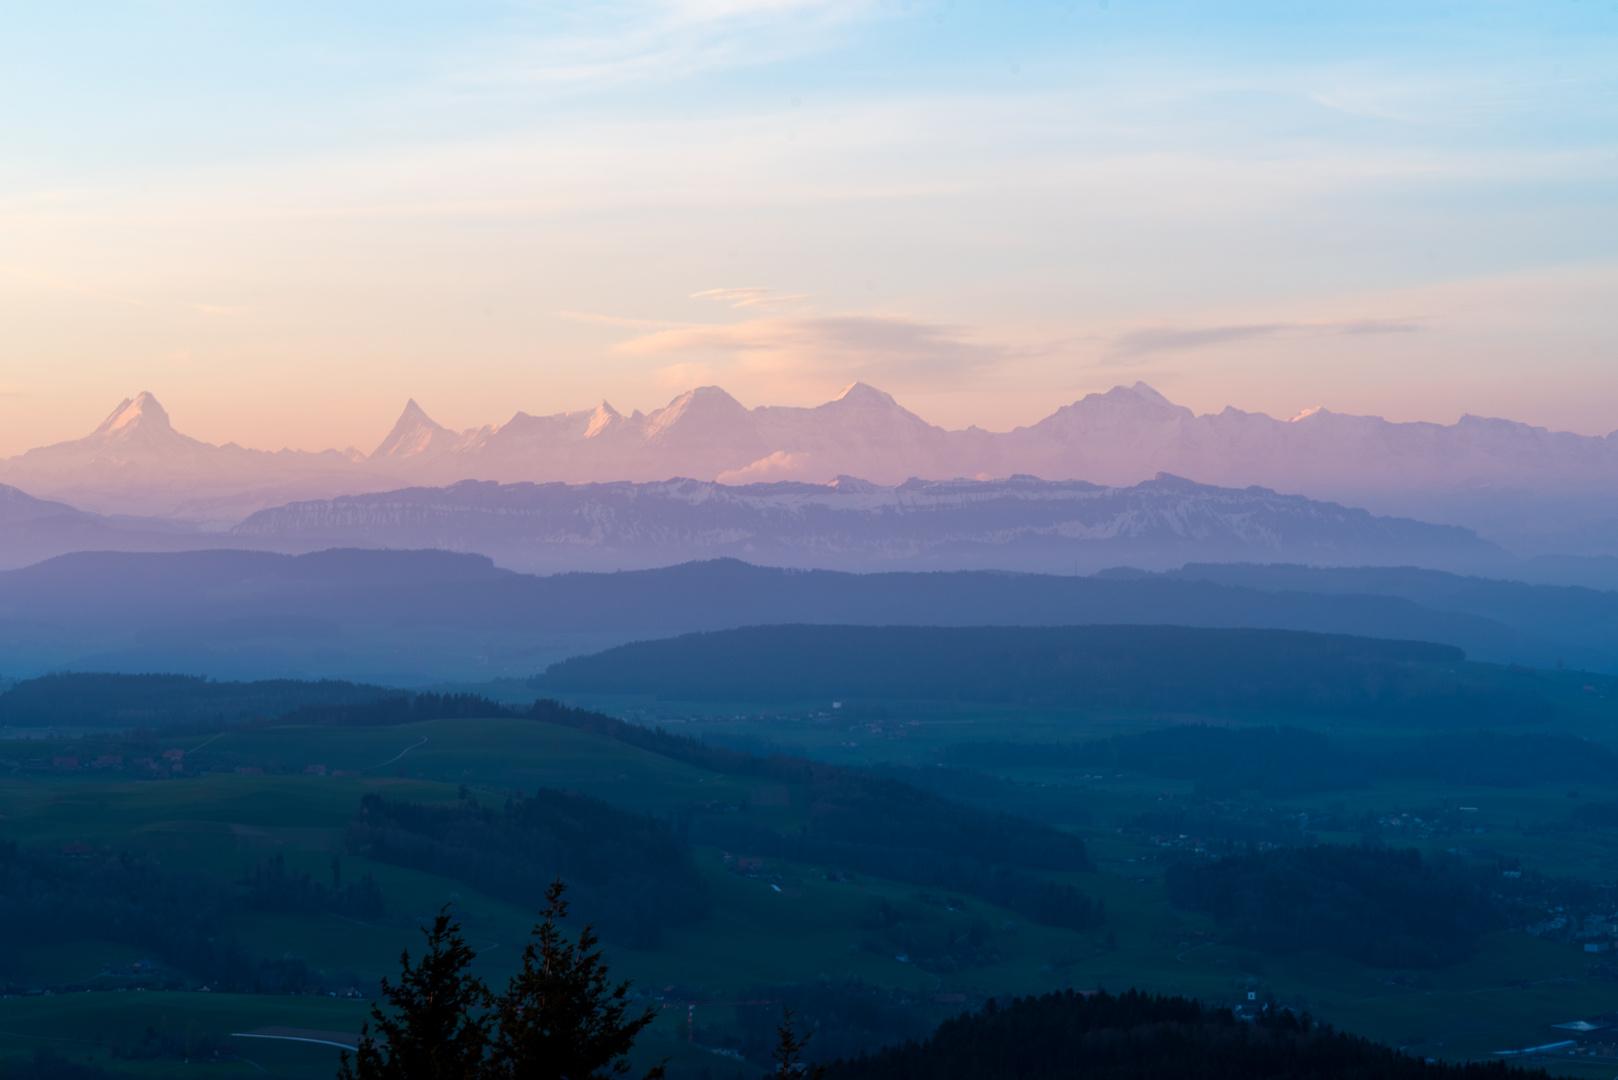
{"x": 864, "y": 394}
{"x": 414, "y": 434}
{"x": 142, "y": 412}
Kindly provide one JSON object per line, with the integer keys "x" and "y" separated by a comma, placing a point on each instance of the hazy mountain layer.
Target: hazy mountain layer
{"x": 1535, "y": 490}
{"x": 412, "y": 618}
{"x": 1175, "y": 669}
{"x": 1021, "y": 524}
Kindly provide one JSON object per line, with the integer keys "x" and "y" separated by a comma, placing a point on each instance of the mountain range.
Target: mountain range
{"x": 1529, "y": 489}
{"x": 420, "y": 617}
{"x": 1022, "y": 523}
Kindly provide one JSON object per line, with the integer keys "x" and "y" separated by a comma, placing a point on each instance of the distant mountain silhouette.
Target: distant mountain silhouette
{"x": 1533, "y": 490}
{"x": 135, "y": 462}
{"x": 1019, "y": 524}
{"x": 420, "y": 617}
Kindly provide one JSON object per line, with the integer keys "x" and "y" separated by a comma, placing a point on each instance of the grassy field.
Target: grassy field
{"x": 217, "y": 820}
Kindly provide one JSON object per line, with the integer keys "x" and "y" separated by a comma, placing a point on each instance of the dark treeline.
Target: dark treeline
{"x": 46, "y": 1064}
{"x": 399, "y": 709}
{"x": 47, "y": 899}
{"x": 627, "y": 873}
{"x": 1136, "y": 1036}
{"x": 984, "y": 790}
{"x": 184, "y": 703}
{"x": 935, "y": 941}
{"x": 1284, "y": 761}
{"x": 877, "y": 826}
{"x": 271, "y": 888}
{"x": 1278, "y": 761}
{"x": 845, "y": 1019}
{"x": 845, "y": 804}
{"x": 1050, "y": 903}
{"x": 1169, "y": 668}
{"x": 111, "y": 701}
{"x": 1598, "y": 813}
{"x": 1378, "y": 906}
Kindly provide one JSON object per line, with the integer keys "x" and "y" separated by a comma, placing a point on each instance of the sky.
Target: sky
{"x": 284, "y": 219}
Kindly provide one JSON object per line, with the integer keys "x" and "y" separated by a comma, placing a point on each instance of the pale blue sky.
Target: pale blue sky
{"x": 285, "y": 218}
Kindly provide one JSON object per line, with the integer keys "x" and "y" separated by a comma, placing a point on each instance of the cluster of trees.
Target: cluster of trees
{"x": 1229, "y": 823}
{"x": 1601, "y": 814}
{"x": 632, "y": 874}
{"x": 1285, "y": 761}
{"x": 1136, "y": 1036}
{"x": 560, "y": 1018}
{"x": 47, "y": 898}
{"x": 47, "y": 1064}
{"x": 185, "y": 704}
{"x": 983, "y": 790}
{"x": 843, "y": 1019}
{"x": 880, "y": 826}
{"x": 270, "y": 887}
{"x": 398, "y": 709}
{"x": 926, "y": 938}
{"x": 1277, "y": 760}
{"x": 1038, "y": 898}
{"x": 1378, "y": 906}
{"x": 157, "y": 1046}
{"x": 1170, "y": 668}
{"x": 112, "y": 701}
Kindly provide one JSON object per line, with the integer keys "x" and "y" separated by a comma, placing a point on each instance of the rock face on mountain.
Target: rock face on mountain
{"x": 1534, "y": 490}
{"x": 1022, "y": 523}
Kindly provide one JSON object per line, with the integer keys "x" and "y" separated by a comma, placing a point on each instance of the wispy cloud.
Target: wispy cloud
{"x": 889, "y": 345}
{"x": 780, "y": 465}
{"x": 623, "y": 43}
{"x": 751, "y": 296}
{"x": 1152, "y": 340}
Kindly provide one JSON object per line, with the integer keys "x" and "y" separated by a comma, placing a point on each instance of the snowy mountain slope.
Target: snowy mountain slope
{"x": 1022, "y": 524}
{"x": 135, "y": 462}
{"x": 1533, "y": 490}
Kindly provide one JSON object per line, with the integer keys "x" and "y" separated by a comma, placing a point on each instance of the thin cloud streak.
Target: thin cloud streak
{"x": 1154, "y": 340}
{"x": 634, "y": 43}
{"x": 751, "y": 296}
{"x": 896, "y": 346}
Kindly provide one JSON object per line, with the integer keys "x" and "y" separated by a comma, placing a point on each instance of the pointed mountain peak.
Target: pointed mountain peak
{"x": 710, "y": 394}
{"x": 864, "y": 394}
{"x": 414, "y": 434}
{"x": 142, "y": 412}
{"x": 1138, "y": 400}
{"x": 703, "y": 401}
{"x": 1151, "y": 394}
{"x": 706, "y": 413}
{"x": 603, "y": 417}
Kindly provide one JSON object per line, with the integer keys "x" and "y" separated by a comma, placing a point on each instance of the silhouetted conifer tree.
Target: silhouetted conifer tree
{"x": 560, "y": 1018}
{"x": 789, "y": 1052}
{"x": 439, "y": 1029}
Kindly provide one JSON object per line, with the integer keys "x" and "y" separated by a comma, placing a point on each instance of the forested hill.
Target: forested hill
{"x": 1171, "y": 668}
{"x": 1136, "y": 1036}
{"x": 874, "y": 825}
{"x": 113, "y": 702}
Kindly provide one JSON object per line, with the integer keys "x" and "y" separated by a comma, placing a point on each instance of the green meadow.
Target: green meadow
{"x": 304, "y": 785}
